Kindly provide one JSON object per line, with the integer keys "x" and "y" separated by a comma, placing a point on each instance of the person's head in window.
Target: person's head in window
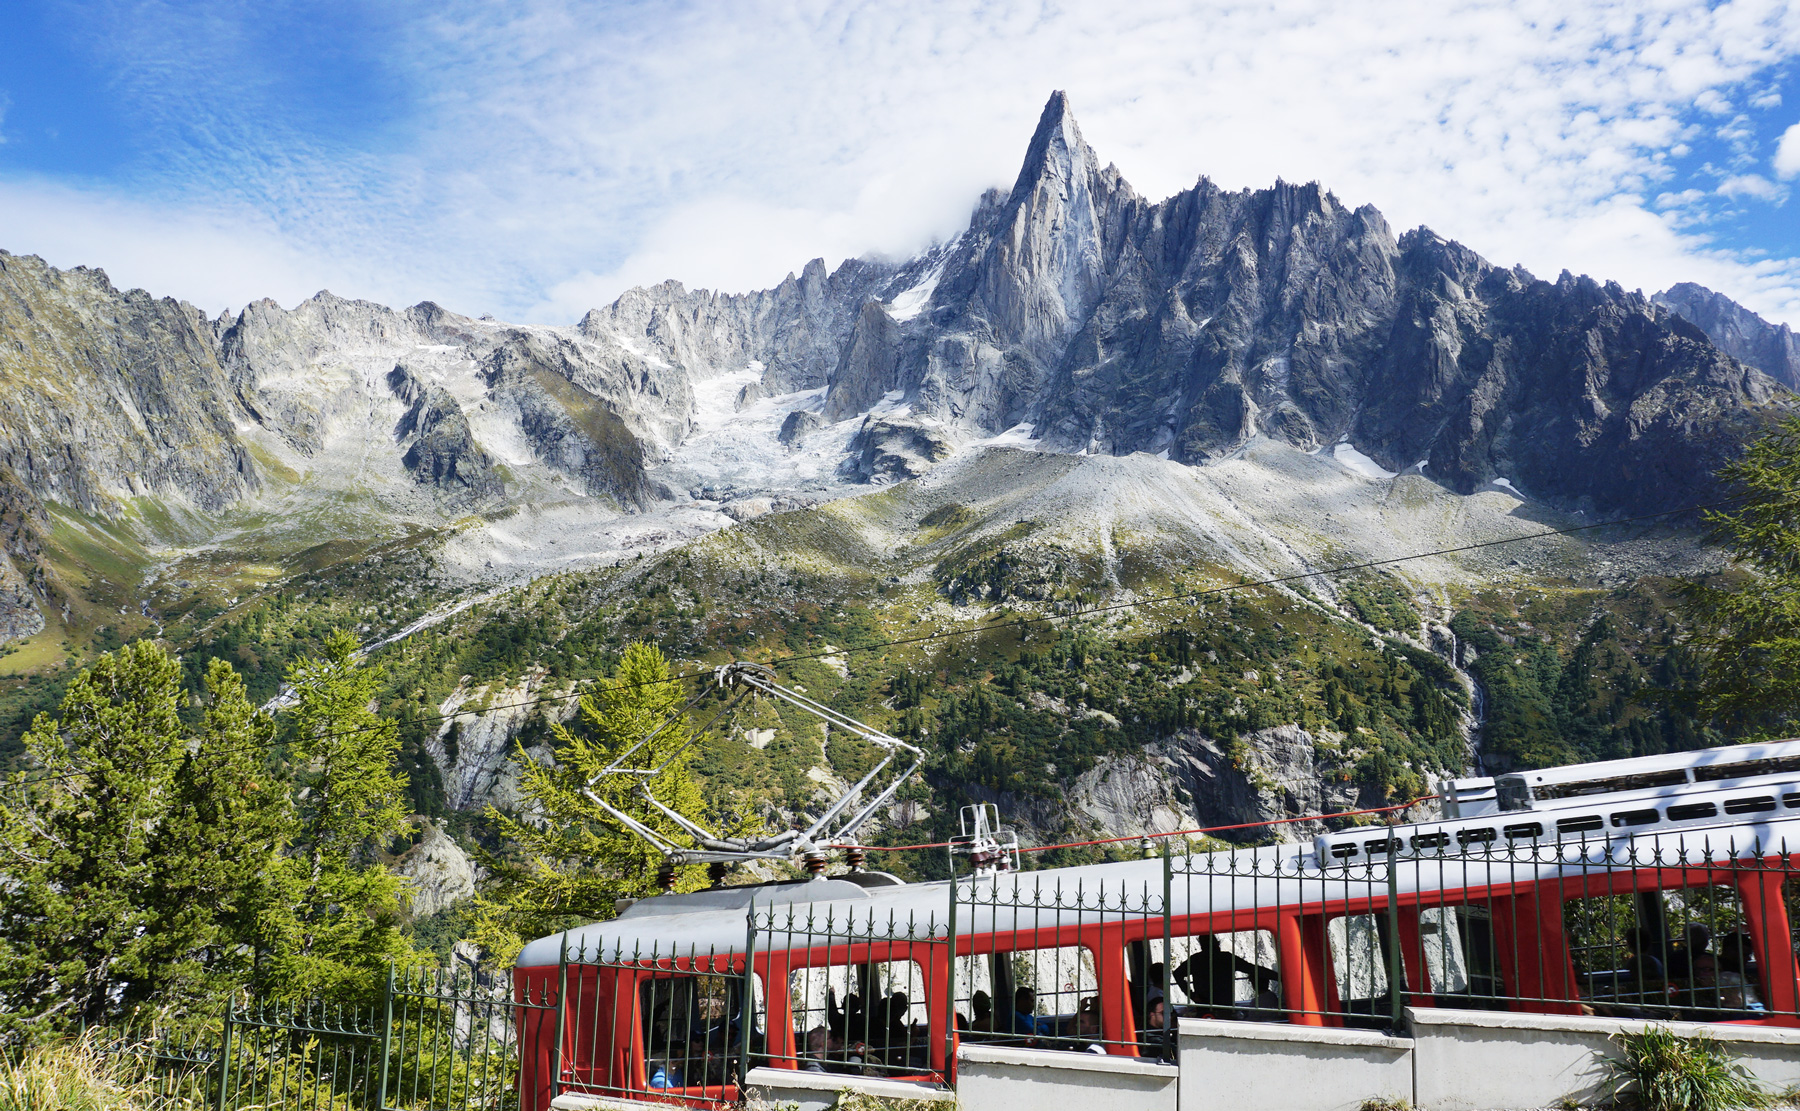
{"x": 1025, "y": 1001}
{"x": 1698, "y": 937}
{"x": 1155, "y": 1013}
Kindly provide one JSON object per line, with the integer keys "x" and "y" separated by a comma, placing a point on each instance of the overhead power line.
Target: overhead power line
{"x": 973, "y": 630}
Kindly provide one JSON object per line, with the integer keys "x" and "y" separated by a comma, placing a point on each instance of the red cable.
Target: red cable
{"x": 1153, "y": 836}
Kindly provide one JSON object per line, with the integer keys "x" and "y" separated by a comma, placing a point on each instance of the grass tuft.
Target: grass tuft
{"x": 1659, "y": 1070}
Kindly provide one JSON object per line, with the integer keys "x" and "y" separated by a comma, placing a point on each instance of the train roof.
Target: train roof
{"x": 1724, "y": 804}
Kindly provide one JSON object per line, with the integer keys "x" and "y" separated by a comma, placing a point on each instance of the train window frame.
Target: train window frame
{"x": 642, "y": 1044}
{"x": 1375, "y": 1006}
{"x": 855, "y": 1050}
{"x": 1666, "y": 982}
{"x": 1264, "y": 952}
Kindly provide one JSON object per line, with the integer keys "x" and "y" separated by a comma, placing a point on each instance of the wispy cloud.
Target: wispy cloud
{"x": 547, "y": 154}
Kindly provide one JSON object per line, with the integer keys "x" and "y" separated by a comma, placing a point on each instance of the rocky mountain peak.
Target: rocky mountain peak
{"x": 1740, "y": 333}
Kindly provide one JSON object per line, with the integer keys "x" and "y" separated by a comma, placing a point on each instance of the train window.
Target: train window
{"x": 869, "y": 1018}
{"x": 1675, "y": 953}
{"x": 1791, "y": 799}
{"x": 1745, "y": 768}
{"x": 1583, "y": 824}
{"x": 1636, "y": 817}
{"x": 693, "y": 1028}
{"x": 1462, "y": 958}
{"x": 1755, "y": 805}
{"x": 1226, "y": 975}
{"x": 1476, "y": 836}
{"x": 1359, "y": 963}
{"x": 1692, "y": 810}
{"x": 1523, "y": 830}
{"x": 1431, "y": 840}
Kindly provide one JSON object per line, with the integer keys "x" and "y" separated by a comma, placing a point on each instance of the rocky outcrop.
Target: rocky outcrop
{"x": 1735, "y": 330}
{"x": 440, "y": 448}
{"x": 894, "y": 451}
{"x": 437, "y": 870}
{"x": 1190, "y": 781}
{"x": 475, "y": 750}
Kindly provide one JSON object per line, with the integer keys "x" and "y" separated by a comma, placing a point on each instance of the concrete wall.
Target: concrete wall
{"x": 1270, "y": 1066}
{"x": 1468, "y": 1060}
{"x": 815, "y": 1091}
{"x": 998, "y": 1078}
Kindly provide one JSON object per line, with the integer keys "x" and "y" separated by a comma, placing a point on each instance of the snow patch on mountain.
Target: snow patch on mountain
{"x": 1358, "y": 463}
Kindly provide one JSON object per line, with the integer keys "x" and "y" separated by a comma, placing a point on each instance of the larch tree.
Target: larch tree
{"x": 333, "y": 920}
{"x": 568, "y": 860}
{"x": 1746, "y": 627}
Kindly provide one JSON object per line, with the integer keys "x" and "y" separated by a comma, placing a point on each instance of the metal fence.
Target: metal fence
{"x": 436, "y": 1039}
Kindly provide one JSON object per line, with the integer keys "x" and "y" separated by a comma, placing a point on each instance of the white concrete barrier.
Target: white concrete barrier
{"x": 999, "y": 1078}
{"x": 1270, "y": 1066}
{"x": 1471, "y": 1060}
{"x": 816, "y": 1091}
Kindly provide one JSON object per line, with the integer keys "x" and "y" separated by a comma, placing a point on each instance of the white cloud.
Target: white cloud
{"x": 1787, "y": 153}
{"x": 1713, "y": 102}
{"x": 215, "y": 259}
{"x": 562, "y": 152}
{"x": 1749, "y": 185}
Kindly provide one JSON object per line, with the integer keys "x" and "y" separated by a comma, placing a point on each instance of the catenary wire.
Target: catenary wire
{"x": 961, "y": 632}
{"x": 1409, "y": 803}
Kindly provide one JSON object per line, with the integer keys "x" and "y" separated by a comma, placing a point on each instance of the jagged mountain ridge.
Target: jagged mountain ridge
{"x": 1072, "y": 315}
{"x": 1735, "y": 330}
{"x": 1190, "y": 326}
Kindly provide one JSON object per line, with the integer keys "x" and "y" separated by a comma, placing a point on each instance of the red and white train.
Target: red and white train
{"x": 1656, "y": 886}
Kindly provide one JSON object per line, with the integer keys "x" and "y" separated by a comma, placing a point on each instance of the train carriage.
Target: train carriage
{"x": 1653, "y": 887}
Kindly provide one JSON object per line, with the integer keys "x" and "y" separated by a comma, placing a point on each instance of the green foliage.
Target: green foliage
{"x": 1381, "y": 605}
{"x": 572, "y": 863}
{"x": 78, "y": 848}
{"x": 229, "y": 816}
{"x": 333, "y": 920}
{"x": 1747, "y": 631}
{"x": 1658, "y": 1070}
{"x": 1577, "y": 677}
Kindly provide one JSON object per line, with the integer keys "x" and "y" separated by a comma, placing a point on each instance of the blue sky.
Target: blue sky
{"x": 533, "y": 159}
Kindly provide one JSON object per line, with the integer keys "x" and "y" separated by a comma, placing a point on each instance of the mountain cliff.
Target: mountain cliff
{"x": 1735, "y": 330}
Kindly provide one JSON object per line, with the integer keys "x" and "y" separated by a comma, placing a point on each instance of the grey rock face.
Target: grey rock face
{"x": 798, "y": 423}
{"x": 1190, "y": 781}
{"x": 437, "y": 870}
{"x": 894, "y": 451}
{"x": 112, "y": 395}
{"x": 1188, "y": 327}
{"x": 1735, "y": 330}
{"x": 442, "y": 451}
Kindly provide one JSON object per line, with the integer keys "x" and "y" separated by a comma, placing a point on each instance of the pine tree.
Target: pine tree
{"x": 569, "y": 861}
{"x": 332, "y": 924}
{"x": 76, "y": 846}
{"x": 1747, "y": 631}
{"x": 228, "y": 820}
